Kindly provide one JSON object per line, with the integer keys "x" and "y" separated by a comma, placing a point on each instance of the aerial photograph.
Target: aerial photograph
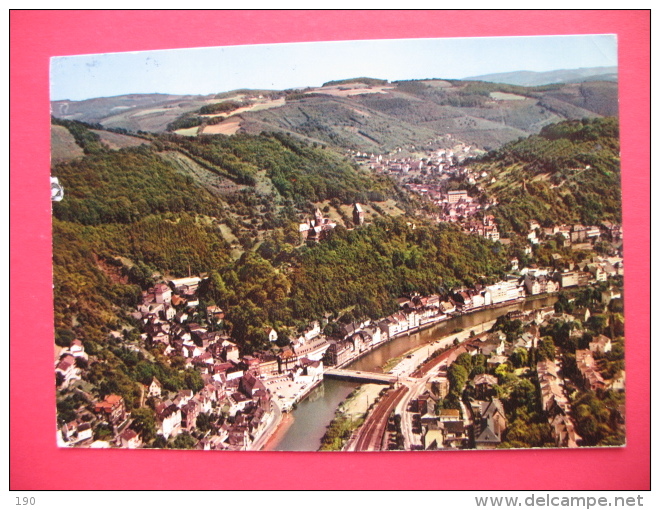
{"x": 406, "y": 244}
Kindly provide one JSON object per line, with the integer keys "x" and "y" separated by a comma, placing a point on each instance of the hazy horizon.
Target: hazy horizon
{"x": 205, "y": 71}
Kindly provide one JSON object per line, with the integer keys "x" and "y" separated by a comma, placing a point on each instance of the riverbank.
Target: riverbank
{"x": 286, "y": 420}
{"x": 313, "y": 415}
{"x": 349, "y": 416}
{"x": 416, "y": 357}
{"x": 438, "y": 320}
{"x": 358, "y": 405}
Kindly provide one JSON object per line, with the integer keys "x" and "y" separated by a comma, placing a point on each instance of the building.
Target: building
{"x": 169, "y": 418}
{"x": 112, "y": 409}
{"x": 501, "y": 292}
{"x": 130, "y": 439}
{"x": 601, "y": 344}
{"x": 338, "y": 353}
{"x": 155, "y": 388}
{"x": 315, "y": 229}
{"x": 490, "y": 423}
{"x": 455, "y": 196}
{"x": 358, "y": 214}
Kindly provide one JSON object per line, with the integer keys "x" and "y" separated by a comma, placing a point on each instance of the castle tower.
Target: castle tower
{"x": 318, "y": 217}
{"x": 358, "y": 214}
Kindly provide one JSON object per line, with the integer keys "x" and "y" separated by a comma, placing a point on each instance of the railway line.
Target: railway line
{"x": 370, "y": 435}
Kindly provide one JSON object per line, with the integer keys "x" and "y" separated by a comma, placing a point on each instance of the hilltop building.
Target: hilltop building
{"x": 358, "y": 214}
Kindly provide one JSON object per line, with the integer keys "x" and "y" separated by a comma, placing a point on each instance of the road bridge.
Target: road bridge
{"x": 356, "y": 375}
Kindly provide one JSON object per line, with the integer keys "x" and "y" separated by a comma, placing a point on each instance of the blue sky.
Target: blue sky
{"x": 282, "y": 66}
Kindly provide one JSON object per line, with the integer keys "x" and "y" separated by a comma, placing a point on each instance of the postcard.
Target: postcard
{"x": 384, "y": 245}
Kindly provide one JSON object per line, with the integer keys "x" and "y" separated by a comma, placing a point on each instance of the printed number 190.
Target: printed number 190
{"x": 25, "y": 501}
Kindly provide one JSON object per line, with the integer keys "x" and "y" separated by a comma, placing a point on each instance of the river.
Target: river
{"x": 315, "y": 412}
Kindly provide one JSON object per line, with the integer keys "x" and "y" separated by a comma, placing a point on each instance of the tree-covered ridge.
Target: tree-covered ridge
{"x": 85, "y": 138}
{"x": 369, "y": 267}
{"x": 300, "y": 172}
{"x": 363, "y": 80}
{"x": 124, "y": 186}
{"x": 569, "y": 173}
{"x": 223, "y": 107}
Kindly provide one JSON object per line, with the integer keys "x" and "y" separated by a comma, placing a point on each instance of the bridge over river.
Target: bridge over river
{"x": 356, "y": 375}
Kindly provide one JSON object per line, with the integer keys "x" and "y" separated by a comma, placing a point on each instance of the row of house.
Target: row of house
{"x": 556, "y": 405}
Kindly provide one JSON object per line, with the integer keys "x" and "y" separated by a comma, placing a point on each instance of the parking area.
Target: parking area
{"x": 286, "y": 391}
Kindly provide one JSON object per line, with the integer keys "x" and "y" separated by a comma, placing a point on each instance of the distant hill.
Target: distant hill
{"x": 533, "y": 78}
{"x": 134, "y": 112}
{"x": 364, "y": 114}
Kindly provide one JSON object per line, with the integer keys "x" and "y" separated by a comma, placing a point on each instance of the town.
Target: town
{"x": 235, "y": 400}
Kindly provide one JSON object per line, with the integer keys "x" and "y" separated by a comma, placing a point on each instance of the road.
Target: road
{"x": 270, "y": 429}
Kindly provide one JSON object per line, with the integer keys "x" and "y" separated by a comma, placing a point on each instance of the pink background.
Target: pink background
{"x": 36, "y": 463}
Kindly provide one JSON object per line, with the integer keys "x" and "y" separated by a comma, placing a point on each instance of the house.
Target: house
{"x": 601, "y": 344}
{"x": 183, "y": 397}
{"x": 338, "y": 353}
{"x": 501, "y": 292}
{"x": 449, "y": 415}
{"x": 608, "y": 295}
{"x": 214, "y": 313}
{"x": 619, "y": 381}
{"x": 490, "y": 423}
{"x": 84, "y": 432}
{"x": 155, "y": 388}
{"x": 483, "y": 384}
{"x": 433, "y": 439}
{"x": 315, "y": 229}
{"x": 237, "y": 402}
{"x": 189, "y": 413}
{"x": 313, "y": 369}
{"x": 169, "y": 418}
{"x": 463, "y": 299}
{"x": 581, "y": 313}
{"x": 539, "y": 284}
{"x": 267, "y": 365}
{"x": 272, "y": 335}
{"x": 230, "y": 351}
{"x": 77, "y": 350}
{"x": 563, "y": 430}
{"x": 163, "y": 293}
{"x": 215, "y": 442}
{"x": 249, "y": 385}
{"x": 186, "y": 285}
{"x": 287, "y": 360}
{"x": 454, "y": 433}
{"x": 591, "y": 378}
{"x": 496, "y": 360}
{"x": 130, "y": 439}
{"x": 568, "y": 279}
{"x": 66, "y": 369}
{"x": 456, "y": 196}
{"x": 487, "y": 438}
{"x": 112, "y": 409}
{"x": 447, "y": 307}
{"x": 440, "y": 386}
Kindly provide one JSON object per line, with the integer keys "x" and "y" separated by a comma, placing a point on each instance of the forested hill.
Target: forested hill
{"x": 230, "y": 207}
{"x": 569, "y": 173}
{"x": 361, "y": 113}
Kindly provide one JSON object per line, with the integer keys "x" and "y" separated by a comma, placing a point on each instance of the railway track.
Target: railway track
{"x": 370, "y": 435}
